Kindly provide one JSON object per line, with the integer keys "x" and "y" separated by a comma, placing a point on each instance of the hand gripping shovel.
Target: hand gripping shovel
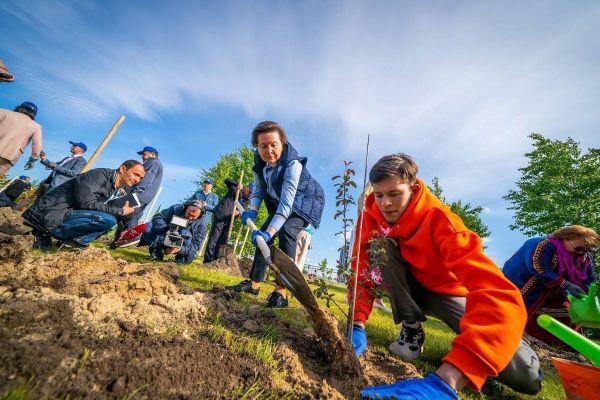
{"x": 287, "y": 272}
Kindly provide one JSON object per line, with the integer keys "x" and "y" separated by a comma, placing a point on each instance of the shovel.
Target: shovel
{"x": 287, "y": 271}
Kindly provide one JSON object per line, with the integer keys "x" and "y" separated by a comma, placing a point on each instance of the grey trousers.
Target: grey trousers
{"x": 412, "y": 302}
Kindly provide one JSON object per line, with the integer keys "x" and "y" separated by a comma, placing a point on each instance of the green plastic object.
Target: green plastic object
{"x": 583, "y": 345}
{"x": 585, "y": 311}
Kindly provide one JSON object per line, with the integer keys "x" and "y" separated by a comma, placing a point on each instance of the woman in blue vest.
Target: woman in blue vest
{"x": 546, "y": 269}
{"x": 293, "y": 199}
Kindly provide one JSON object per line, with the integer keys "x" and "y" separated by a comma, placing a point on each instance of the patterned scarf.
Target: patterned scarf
{"x": 573, "y": 268}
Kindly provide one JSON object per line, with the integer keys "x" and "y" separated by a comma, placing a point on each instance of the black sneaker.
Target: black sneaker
{"x": 276, "y": 300}
{"x": 244, "y": 287}
{"x": 409, "y": 344}
{"x": 42, "y": 241}
{"x": 157, "y": 252}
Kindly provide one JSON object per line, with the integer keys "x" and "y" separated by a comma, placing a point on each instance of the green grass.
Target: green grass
{"x": 381, "y": 331}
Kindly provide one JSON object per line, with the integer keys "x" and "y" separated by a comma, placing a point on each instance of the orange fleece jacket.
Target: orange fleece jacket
{"x": 447, "y": 258}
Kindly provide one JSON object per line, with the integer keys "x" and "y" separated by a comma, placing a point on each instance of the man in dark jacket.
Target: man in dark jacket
{"x": 222, "y": 219}
{"x": 85, "y": 207}
{"x": 145, "y": 190}
{"x": 15, "y": 189}
{"x": 66, "y": 168}
{"x": 157, "y": 230}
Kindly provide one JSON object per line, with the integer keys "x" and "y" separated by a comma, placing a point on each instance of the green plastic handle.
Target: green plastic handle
{"x": 583, "y": 345}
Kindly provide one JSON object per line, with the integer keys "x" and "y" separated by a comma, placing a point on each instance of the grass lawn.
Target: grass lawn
{"x": 380, "y": 329}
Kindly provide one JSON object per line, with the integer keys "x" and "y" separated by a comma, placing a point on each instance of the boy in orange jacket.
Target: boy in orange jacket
{"x": 433, "y": 265}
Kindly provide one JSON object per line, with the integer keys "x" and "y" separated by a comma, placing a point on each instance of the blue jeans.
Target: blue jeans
{"x": 84, "y": 226}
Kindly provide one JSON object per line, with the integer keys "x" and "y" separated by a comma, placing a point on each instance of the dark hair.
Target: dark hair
{"x": 130, "y": 164}
{"x": 399, "y": 165}
{"x": 268, "y": 126}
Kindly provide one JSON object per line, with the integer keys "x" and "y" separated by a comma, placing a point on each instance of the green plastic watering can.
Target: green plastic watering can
{"x": 585, "y": 311}
{"x": 583, "y": 345}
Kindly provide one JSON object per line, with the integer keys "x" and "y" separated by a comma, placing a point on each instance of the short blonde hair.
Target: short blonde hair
{"x": 577, "y": 231}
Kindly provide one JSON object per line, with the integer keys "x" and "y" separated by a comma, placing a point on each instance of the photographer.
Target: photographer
{"x": 176, "y": 230}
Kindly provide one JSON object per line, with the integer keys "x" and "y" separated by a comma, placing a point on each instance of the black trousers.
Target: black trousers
{"x": 287, "y": 243}
{"x": 411, "y": 302}
{"x": 216, "y": 238}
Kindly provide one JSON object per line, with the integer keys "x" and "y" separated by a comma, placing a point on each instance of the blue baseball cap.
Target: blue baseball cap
{"x": 23, "y": 177}
{"x": 149, "y": 149}
{"x": 208, "y": 180}
{"x": 80, "y": 144}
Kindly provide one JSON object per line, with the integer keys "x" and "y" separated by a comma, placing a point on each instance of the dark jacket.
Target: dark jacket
{"x": 224, "y": 209}
{"x": 147, "y": 188}
{"x": 16, "y": 188}
{"x": 64, "y": 170}
{"x": 88, "y": 191}
{"x": 160, "y": 225}
{"x": 310, "y": 198}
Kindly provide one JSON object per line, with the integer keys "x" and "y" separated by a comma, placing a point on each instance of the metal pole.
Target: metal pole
{"x": 244, "y": 242}
{"x": 149, "y": 212}
{"x": 103, "y": 144}
{"x": 360, "y": 225}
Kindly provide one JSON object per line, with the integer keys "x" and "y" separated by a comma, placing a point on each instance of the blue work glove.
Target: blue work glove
{"x": 359, "y": 339}
{"x": 264, "y": 235}
{"x": 186, "y": 234}
{"x": 29, "y": 163}
{"x": 252, "y": 214}
{"x": 572, "y": 289}
{"x": 430, "y": 387}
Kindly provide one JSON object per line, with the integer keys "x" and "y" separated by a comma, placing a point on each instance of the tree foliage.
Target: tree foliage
{"x": 343, "y": 201}
{"x": 230, "y": 166}
{"x": 559, "y": 186}
{"x": 470, "y": 215}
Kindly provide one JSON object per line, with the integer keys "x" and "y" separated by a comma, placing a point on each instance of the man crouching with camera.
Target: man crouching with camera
{"x": 175, "y": 230}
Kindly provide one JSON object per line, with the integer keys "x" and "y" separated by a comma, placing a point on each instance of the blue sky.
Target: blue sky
{"x": 458, "y": 85}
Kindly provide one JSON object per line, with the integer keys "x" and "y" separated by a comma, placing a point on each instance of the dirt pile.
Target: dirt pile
{"x": 84, "y": 324}
{"x": 229, "y": 265}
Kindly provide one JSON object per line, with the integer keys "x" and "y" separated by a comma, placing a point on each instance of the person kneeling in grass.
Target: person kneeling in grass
{"x": 433, "y": 265}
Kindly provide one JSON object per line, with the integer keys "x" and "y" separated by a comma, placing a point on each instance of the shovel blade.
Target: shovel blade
{"x": 289, "y": 274}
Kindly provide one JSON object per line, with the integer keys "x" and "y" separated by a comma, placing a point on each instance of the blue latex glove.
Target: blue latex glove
{"x": 264, "y": 235}
{"x": 186, "y": 234}
{"x": 359, "y": 339}
{"x": 29, "y": 163}
{"x": 252, "y": 214}
{"x": 430, "y": 387}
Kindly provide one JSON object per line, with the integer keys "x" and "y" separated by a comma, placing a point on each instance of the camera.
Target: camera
{"x": 173, "y": 236}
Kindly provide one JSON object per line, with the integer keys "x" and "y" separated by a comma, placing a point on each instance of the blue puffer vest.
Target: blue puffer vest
{"x": 310, "y": 198}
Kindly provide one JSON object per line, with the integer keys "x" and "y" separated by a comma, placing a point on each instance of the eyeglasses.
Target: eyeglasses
{"x": 578, "y": 249}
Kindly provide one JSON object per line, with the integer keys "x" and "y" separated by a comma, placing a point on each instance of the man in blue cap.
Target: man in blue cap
{"x": 67, "y": 168}
{"x": 145, "y": 190}
{"x": 209, "y": 202}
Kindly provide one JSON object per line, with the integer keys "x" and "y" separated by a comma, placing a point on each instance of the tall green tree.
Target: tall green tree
{"x": 560, "y": 186}
{"x": 470, "y": 215}
{"x": 229, "y": 166}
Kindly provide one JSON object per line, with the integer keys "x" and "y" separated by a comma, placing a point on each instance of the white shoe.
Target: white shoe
{"x": 409, "y": 344}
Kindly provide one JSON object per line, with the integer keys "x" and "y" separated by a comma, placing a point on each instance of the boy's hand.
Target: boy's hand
{"x": 359, "y": 339}
{"x": 127, "y": 210}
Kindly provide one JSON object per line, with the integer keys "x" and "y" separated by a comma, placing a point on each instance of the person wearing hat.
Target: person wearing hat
{"x": 209, "y": 201}
{"x": 222, "y": 218}
{"x": 145, "y": 190}
{"x": 156, "y": 231}
{"x": 17, "y": 129}
{"x": 11, "y": 192}
{"x": 67, "y": 168}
